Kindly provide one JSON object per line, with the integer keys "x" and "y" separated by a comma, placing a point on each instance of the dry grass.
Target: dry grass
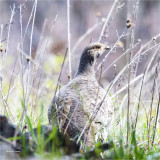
{"x": 31, "y": 82}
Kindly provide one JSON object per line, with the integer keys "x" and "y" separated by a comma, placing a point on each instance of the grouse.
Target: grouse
{"x": 76, "y": 102}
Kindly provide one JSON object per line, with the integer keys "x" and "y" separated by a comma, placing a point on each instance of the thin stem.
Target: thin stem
{"x": 9, "y": 29}
{"x": 1, "y": 66}
{"x": 11, "y": 79}
{"x": 128, "y": 106}
{"x": 30, "y": 48}
{"x": 139, "y": 99}
{"x": 145, "y": 73}
{"x": 126, "y": 52}
{"x": 129, "y": 69}
{"x": 153, "y": 93}
{"x": 69, "y": 39}
{"x": 60, "y": 73}
{"x": 30, "y": 17}
{"x": 104, "y": 59}
{"x": 154, "y": 129}
{"x": 89, "y": 31}
{"x": 21, "y": 44}
{"x": 107, "y": 20}
{"x": 1, "y": 33}
{"x": 42, "y": 56}
{"x": 126, "y": 66}
{"x": 126, "y": 86}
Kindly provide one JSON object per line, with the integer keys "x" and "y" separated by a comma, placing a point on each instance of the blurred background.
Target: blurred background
{"x": 84, "y": 14}
{"x": 48, "y": 48}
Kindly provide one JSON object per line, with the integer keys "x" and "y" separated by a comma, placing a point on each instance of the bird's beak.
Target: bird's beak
{"x": 105, "y": 47}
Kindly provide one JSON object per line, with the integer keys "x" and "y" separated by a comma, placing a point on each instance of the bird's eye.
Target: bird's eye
{"x": 97, "y": 47}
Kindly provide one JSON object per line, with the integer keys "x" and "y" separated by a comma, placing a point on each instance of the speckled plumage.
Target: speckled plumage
{"x": 76, "y": 101}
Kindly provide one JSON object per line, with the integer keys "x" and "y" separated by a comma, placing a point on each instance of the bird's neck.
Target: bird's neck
{"x": 86, "y": 67}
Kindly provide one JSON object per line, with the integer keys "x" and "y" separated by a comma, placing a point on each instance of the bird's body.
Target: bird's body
{"x": 75, "y": 104}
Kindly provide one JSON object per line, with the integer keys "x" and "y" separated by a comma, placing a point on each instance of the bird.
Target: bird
{"x": 74, "y": 105}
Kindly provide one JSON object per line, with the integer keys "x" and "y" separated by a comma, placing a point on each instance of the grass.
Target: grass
{"x": 26, "y": 94}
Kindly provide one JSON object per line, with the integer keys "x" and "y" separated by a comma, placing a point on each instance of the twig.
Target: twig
{"x": 5, "y": 108}
{"x": 69, "y": 40}
{"x": 129, "y": 69}
{"x": 154, "y": 129}
{"x": 33, "y": 21}
{"x": 29, "y": 69}
{"x": 153, "y": 91}
{"x": 1, "y": 34}
{"x": 21, "y": 67}
{"x": 60, "y": 74}
{"x": 11, "y": 79}
{"x": 89, "y": 31}
{"x": 42, "y": 56}
{"x": 30, "y": 17}
{"x": 41, "y": 37}
{"x": 9, "y": 29}
{"x": 126, "y": 86}
{"x": 138, "y": 53}
{"x": 126, "y": 66}
{"x": 30, "y": 49}
{"x": 107, "y": 20}
{"x": 104, "y": 59}
{"x": 145, "y": 73}
{"x": 152, "y": 58}
{"x": 126, "y": 52}
{"x": 139, "y": 100}
{"x": 128, "y": 106}
{"x": 137, "y": 64}
{"x": 35, "y": 63}
{"x": 6, "y": 105}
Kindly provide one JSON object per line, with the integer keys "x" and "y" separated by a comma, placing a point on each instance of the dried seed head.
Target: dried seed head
{"x": 128, "y": 25}
{"x": 120, "y": 44}
{"x": 114, "y": 65}
{"x": 154, "y": 39}
{"x": 128, "y": 20}
{"x": 98, "y": 14}
{"x": 28, "y": 59}
{"x": 2, "y": 47}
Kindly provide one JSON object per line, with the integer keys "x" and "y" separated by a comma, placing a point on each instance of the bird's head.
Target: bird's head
{"x": 89, "y": 56}
{"x": 94, "y": 51}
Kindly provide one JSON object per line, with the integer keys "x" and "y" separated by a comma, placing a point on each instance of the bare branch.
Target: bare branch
{"x": 69, "y": 40}
{"x": 107, "y": 20}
